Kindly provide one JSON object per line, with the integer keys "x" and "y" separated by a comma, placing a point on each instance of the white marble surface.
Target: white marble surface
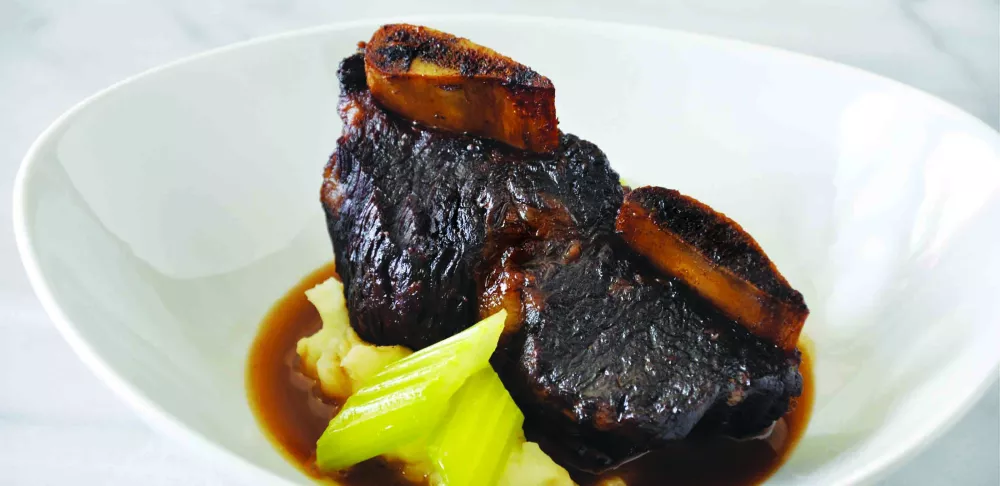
{"x": 59, "y": 425}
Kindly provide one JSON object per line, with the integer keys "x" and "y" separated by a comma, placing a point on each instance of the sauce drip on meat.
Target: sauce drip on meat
{"x": 293, "y": 413}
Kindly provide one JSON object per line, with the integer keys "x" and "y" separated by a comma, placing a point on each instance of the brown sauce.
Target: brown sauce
{"x": 292, "y": 412}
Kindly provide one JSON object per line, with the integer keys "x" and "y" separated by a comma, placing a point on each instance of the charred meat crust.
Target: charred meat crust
{"x": 449, "y": 83}
{"x": 713, "y": 254}
{"x": 431, "y": 230}
{"x": 394, "y": 47}
{"x": 414, "y": 212}
{"x": 617, "y": 360}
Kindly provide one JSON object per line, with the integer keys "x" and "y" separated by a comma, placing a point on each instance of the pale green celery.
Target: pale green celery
{"x": 474, "y": 440}
{"x": 380, "y": 426}
{"x": 473, "y": 343}
{"x": 404, "y": 402}
{"x": 383, "y": 385}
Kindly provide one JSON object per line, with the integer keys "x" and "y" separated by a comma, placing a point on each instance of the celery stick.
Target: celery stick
{"x": 472, "y": 344}
{"x": 404, "y": 402}
{"x": 379, "y": 426}
{"x": 474, "y": 440}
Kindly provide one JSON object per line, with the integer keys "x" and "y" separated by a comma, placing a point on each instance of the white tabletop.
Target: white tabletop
{"x": 60, "y": 425}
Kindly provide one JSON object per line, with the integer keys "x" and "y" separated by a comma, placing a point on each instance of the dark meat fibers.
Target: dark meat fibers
{"x": 433, "y": 230}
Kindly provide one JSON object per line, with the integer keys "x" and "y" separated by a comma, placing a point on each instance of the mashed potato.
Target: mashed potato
{"x": 530, "y": 465}
{"x": 335, "y": 355}
{"x": 341, "y": 361}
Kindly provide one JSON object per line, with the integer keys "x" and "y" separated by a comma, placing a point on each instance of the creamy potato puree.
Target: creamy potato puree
{"x": 341, "y": 361}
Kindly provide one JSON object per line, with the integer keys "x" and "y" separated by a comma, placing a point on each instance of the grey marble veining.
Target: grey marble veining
{"x": 59, "y": 425}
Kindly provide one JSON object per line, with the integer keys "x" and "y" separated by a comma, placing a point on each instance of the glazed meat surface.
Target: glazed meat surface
{"x": 433, "y": 230}
{"x": 622, "y": 360}
{"x": 450, "y": 83}
{"x": 716, "y": 257}
{"x": 413, "y": 213}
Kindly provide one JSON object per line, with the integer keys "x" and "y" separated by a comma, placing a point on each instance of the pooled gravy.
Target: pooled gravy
{"x": 294, "y": 414}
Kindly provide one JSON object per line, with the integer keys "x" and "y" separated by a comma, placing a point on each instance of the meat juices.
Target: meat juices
{"x": 293, "y": 414}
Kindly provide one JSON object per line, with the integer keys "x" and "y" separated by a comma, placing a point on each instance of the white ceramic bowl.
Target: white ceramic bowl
{"x": 159, "y": 219}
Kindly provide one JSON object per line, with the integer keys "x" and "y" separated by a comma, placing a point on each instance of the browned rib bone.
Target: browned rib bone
{"x": 450, "y": 83}
{"x": 713, "y": 255}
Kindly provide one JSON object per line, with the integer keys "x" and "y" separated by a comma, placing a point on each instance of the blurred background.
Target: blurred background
{"x": 60, "y": 425}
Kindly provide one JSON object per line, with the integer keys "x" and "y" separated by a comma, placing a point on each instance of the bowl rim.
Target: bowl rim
{"x": 170, "y": 425}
